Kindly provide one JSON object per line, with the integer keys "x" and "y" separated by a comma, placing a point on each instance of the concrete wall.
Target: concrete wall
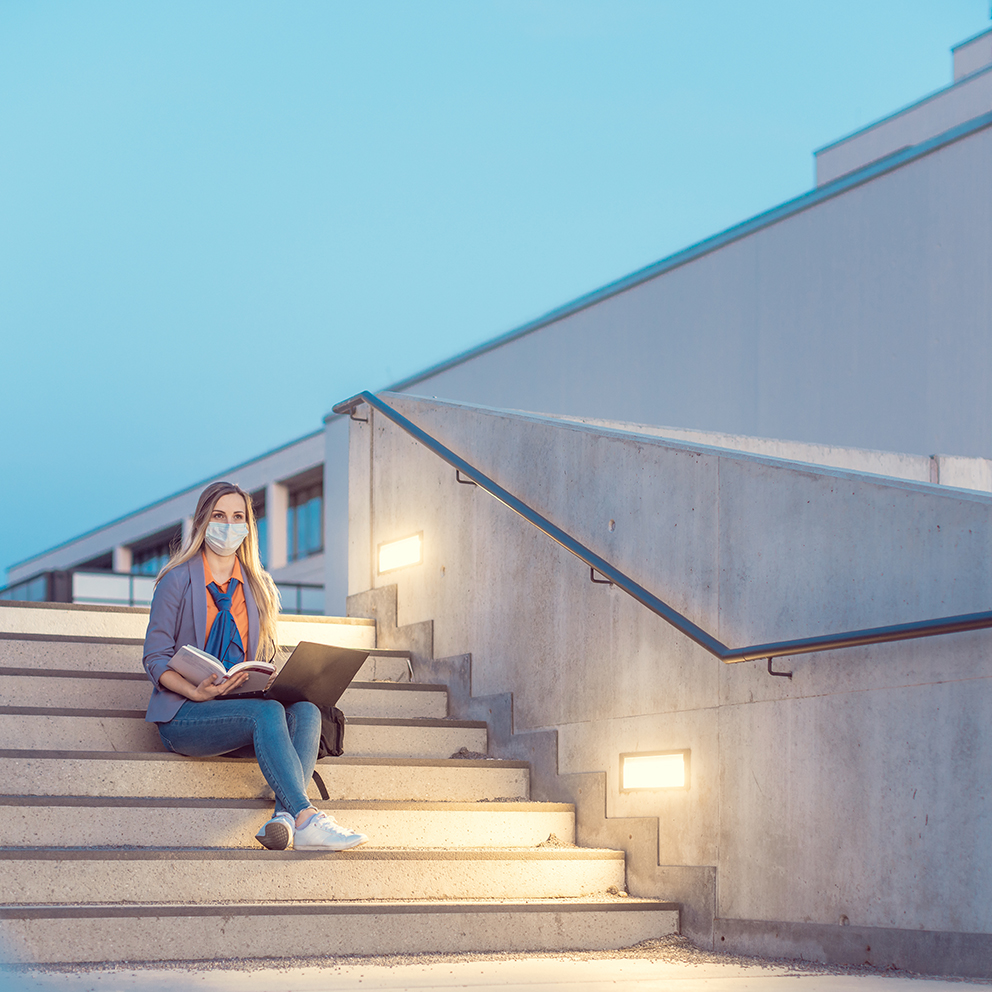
{"x": 863, "y": 321}
{"x": 937, "y": 113}
{"x": 972, "y": 55}
{"x": 947, "y": 470}
{"x": 854, "y": 795}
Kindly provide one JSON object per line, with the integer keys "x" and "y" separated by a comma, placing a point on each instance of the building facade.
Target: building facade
{"x": 116, "y": 564}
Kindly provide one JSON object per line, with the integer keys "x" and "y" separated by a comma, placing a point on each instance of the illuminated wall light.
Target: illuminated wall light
{"x": 399, "y": 554}
{"x": 658, "y": 770}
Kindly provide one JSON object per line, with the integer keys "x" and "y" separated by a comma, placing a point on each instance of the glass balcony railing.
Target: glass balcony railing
{"x": 32, "y": 591}
{"x": 301, "y": 598}
{"x": 126, "y": 589}
{"x": 112, "y": 588}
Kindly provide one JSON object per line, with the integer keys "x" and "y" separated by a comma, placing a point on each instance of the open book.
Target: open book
{"x": 196, "y": 665}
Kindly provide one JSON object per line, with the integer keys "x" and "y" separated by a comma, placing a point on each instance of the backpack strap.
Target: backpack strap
{"x": 321, "y": 788}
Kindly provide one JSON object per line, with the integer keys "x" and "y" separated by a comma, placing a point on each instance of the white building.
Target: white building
{"x": 117, "y": 563}
{"x": 857, "y": 315}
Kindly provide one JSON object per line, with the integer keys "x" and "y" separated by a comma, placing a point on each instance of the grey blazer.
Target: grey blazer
{"x": 179, "y": 616}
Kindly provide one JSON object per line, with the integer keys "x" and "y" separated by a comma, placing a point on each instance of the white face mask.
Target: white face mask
{"x": 225, "y": 539}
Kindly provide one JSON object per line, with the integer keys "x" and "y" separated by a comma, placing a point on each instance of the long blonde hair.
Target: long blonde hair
{"x": 262, "y": 587}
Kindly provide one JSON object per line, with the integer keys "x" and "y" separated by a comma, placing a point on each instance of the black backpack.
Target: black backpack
{"x": 331, "y": 745}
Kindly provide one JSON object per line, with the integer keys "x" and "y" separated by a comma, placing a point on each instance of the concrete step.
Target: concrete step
{"x": 112, "y": 849}
{"x": 194, "y": 876}
{"x": 26, "y": 687}
{"x": 26, "y": 728}
{"x": 119, "y": 774}
{"x": 68, "y": 620}
{"x": 96, "y": 654}
{"x": 392, "y": 700}
{"x": 100, "y": 623}
{"x": 71, "y": 654}
{"x": 386, "y": 666}
{"x": 214, "y": 931}
{"x": 71, "y": 821}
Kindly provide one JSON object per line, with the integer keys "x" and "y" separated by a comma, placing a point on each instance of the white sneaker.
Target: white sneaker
{"x": 277, "y": 834}
{"x": 323, "y": 833}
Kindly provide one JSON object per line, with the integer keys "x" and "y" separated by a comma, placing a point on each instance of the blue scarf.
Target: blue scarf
{"x": 224, "y": 641}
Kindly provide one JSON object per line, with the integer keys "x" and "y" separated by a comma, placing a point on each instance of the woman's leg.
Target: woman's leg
{"x": 303, "y": 721}
{"x": 314, "y": 830}
{"x": 285, "y": 742}
{"x": 215, "y": 727}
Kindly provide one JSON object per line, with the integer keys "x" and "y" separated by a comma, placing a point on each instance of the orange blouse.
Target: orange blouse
{"x": 239, "y": 608}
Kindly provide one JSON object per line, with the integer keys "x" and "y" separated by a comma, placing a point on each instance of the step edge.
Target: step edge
{"x": 356, "y": 721}
{"x": 345, "y": 759}
{"x": 117, "y": 676}
{"x": 8, "y": 635}
{"x": 344, "y": 907}
{"x": 72, "y": 673}
{"x": 375, "y": 805}
{"x": 173, "y": 854}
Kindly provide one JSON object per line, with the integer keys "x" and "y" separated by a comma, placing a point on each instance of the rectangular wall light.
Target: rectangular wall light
{"x": 399, "y": 554}
{"x": 654, "y": 770}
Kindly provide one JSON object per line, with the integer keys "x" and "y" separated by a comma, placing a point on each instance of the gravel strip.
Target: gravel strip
{"x": 673, "y": 949}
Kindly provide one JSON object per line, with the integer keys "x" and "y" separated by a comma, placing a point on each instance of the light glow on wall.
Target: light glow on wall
{"x": 399, "y": 554}
{"x": 661, "y": 770}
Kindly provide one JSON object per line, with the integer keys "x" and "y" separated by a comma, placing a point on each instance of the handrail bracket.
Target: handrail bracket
{"x": 771, "y": 671}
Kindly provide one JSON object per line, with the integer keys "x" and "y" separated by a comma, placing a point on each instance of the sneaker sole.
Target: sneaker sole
{"x": 274, "y": 836}
{"x": 347, "y": 846}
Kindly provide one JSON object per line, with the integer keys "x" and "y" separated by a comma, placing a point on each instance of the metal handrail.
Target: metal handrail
{"x": 754, "y": 652}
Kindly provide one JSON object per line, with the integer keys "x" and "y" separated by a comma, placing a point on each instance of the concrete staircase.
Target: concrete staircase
{"x": 112, "y": 849}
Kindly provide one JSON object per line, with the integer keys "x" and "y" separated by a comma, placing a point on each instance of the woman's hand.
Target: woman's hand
{"x": 210, "y": 688}
{"x": 272, "y": 679}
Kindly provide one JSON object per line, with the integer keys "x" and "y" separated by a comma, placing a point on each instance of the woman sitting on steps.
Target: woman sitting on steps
{"x": 214, "y": 594}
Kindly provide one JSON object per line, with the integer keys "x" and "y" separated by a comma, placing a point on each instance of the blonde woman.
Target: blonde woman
{"x": 214, "y": 594}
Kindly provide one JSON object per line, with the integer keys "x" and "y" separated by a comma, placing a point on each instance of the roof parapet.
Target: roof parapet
{"x": 972, "y": 55}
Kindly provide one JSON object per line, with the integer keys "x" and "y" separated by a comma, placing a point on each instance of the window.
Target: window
{"x": 149, "y": 555}
{"x": 149, "y": 561}
{"x": 302, "y": 598}
{"x": 32, "y": 591}
{"x": 305, "y": 522}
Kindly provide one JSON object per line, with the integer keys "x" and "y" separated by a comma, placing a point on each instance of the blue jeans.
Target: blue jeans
{"x": 285, "y": 740}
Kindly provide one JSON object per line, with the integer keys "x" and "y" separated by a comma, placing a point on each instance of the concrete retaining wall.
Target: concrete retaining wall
{"x": 854, "y": 794}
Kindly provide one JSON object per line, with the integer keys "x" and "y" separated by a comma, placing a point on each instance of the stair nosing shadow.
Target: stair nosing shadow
{"x": 344, "y": 759}
{"x": 355, "y": 721}
{"x": 380, "y": 907}
{"x": 250, "y": 803}
{"x": 174, "y": 854}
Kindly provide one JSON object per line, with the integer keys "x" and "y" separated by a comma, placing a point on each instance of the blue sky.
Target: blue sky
{"x": 217, "y": 219}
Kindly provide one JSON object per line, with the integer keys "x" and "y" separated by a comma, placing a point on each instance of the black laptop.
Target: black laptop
{"x": 318, "y": 673}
